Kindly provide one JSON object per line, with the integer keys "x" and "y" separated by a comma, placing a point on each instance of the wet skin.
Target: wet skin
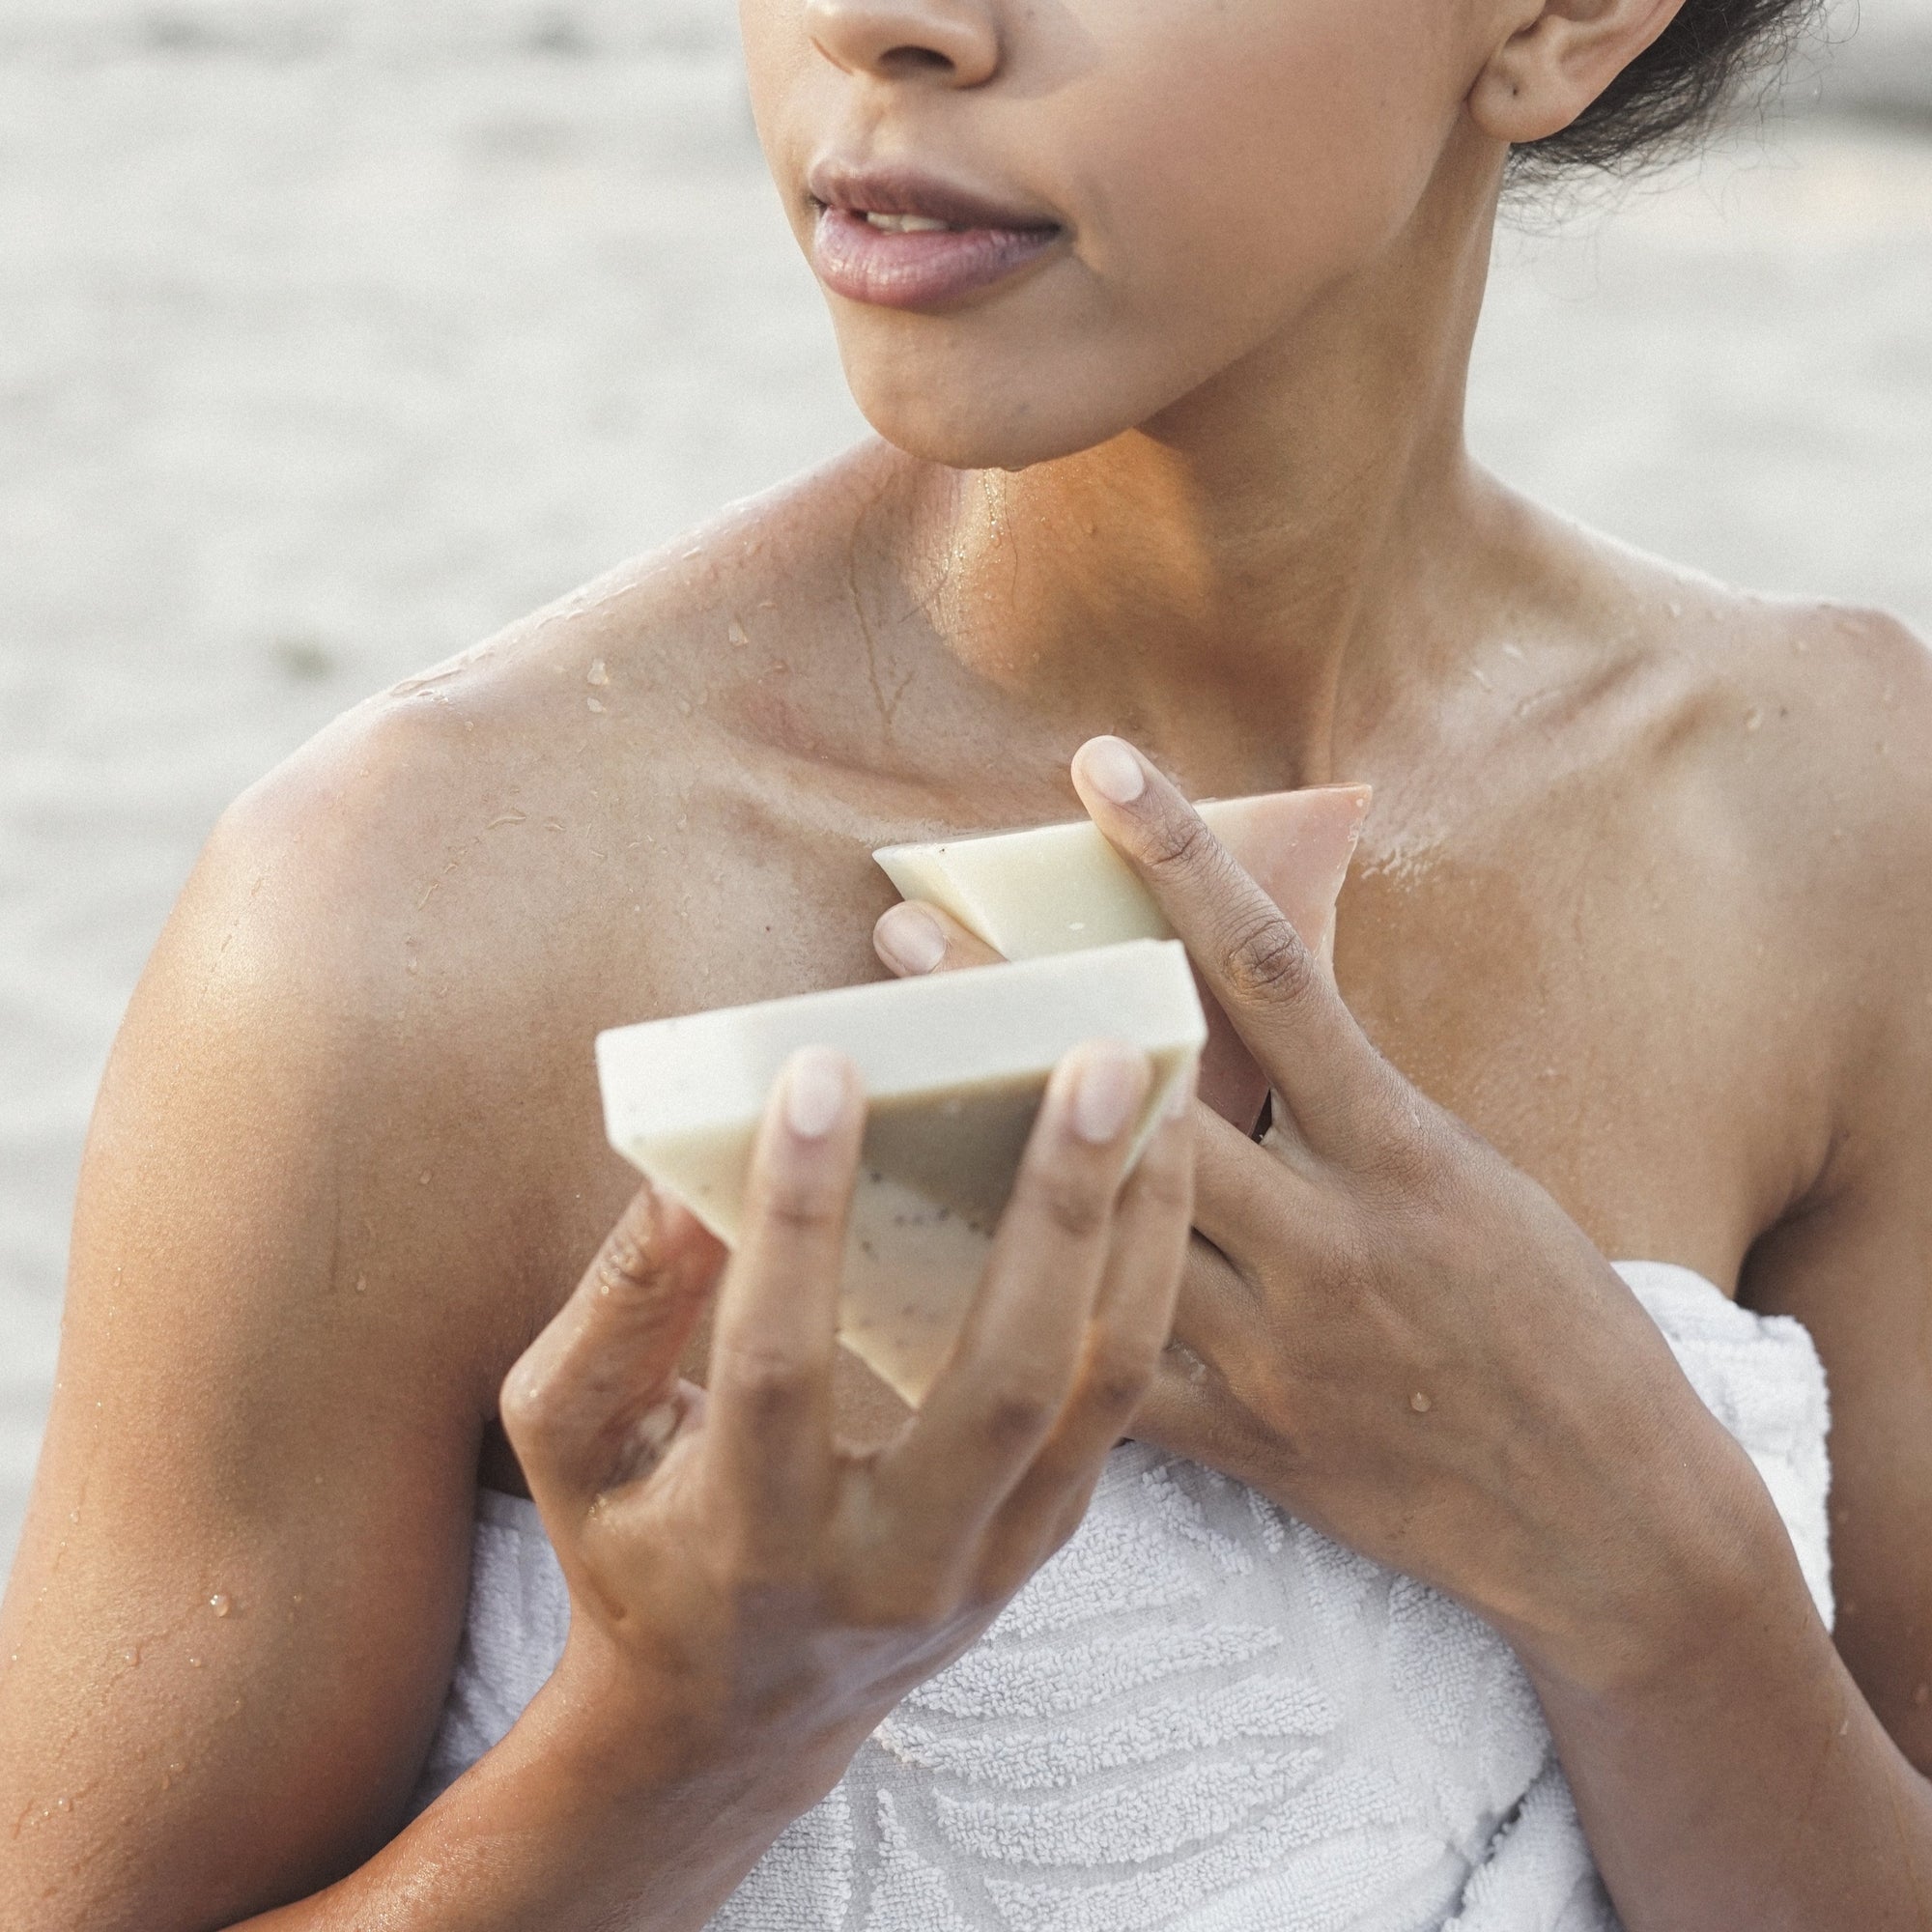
{"x": 1643, "y": 901}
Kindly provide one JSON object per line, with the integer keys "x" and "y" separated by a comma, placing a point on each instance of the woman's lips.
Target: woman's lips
{"x": 919, "y": 267}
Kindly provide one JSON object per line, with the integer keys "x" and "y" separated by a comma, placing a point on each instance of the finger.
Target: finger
{"x": 1008, "y": 1374}
{"x": 606, "y": 1367}
{"x": 1252, "y": 1199}
{"x": 1271, "y": 985}
{"x": 913, "y": 938}
{"x": 1189, "y": 1410}
{"x": 1218, "y": 1314}
{"x": 769, "y": 1428}
{"x": 1133, "y": 1314}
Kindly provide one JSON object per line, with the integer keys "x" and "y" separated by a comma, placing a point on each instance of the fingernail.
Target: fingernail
{"x": 1108, "y": 1089}
{"x": 1115, "y": 773}
{"x": 910, "y": 938}
{"x": 815, "y": 1093}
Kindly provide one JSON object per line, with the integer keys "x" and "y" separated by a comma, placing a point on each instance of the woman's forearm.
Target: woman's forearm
{"x": 578, "y": 1820}
{"x": 1735, "y": 1779}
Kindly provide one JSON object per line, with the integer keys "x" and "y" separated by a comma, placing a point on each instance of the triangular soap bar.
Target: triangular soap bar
{"x": 953, "y": 1068}
{"x": 1054, "y": 888}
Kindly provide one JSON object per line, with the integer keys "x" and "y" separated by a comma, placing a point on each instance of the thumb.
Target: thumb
{"x": 913, "y": 938}
{"x": 601, "y": 1380}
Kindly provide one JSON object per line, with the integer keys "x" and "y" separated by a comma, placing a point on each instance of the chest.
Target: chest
{"x": 1593, "y": 1015}
{"x": 1598, "y": 1006}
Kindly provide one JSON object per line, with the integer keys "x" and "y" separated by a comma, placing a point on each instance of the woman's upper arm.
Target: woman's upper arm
{"x": 232, "y": 1618}
{"x": 1857, "y": 1274}
{"x": 1854, "y": 1263}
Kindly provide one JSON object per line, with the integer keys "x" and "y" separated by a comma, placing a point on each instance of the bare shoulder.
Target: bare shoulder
{"x": 1815, "y": 730}
{"x": 442, "y": 896}
{"x": 1791, "y": 739}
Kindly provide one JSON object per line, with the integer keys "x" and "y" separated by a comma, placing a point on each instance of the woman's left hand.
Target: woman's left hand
{"x": 1392, "y": 1332}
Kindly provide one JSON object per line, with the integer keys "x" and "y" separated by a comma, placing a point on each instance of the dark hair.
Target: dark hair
{"x": 1668, "y": 97}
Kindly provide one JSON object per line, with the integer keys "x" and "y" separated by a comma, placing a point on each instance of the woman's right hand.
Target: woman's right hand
{"x": 742, "y": 1585}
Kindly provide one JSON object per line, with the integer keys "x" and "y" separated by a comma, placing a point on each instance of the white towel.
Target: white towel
{"x": 1200, "y": 1714}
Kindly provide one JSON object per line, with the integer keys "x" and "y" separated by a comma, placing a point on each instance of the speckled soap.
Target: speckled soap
{"x": 954, "y": 1068}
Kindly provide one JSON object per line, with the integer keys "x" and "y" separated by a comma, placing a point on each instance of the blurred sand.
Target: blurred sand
{"x": 328, "y": 346}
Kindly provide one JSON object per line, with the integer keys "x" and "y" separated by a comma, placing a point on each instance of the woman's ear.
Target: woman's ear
{"x": 1559, "y": 56}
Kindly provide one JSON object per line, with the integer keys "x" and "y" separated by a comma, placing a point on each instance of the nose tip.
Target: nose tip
{"x": 949, "y": 42}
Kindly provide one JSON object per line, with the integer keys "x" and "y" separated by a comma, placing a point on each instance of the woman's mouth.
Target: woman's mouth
{"x": 899, "y": 242}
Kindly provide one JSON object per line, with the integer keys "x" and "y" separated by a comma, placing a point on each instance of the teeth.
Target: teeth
{"x": 905, "y": 224}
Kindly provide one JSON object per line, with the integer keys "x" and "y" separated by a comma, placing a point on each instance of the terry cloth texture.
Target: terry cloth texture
{"x": 1200, "y": 1714}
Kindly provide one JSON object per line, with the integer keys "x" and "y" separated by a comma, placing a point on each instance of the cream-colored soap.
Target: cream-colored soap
{"x": 1054, "y": 888}
{"x": 1057, "y": 888}
{"x": 953, "y": 1068}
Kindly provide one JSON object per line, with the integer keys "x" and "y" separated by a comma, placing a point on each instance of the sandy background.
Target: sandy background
{"x": 333, "y": 335}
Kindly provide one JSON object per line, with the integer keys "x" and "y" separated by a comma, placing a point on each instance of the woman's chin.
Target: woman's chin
{"x": 1012, "y": 431}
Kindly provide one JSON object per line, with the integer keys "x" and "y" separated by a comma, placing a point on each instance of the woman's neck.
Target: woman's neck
{"x": 1257, "y": 570}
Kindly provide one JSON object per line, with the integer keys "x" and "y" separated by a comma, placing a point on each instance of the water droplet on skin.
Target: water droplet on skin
{"x": 597, "y": 674}
{"x": 1675, "y": 610}
{"x": 684, "y": 705}
{"x": 361, "y": 1284}
{"x": 220, "y": 1603}
{"x": 593, "y": 704}
{"x": 422, "y": 1179}
{"x": 1420, "y": 1402}
{"x": 194, "y": 1663}
{"x": 67, "y": 1803}
{"x": 131, "y": 1659}
{"x": 1753, "y": 719}
{"x": 736, "y": 632}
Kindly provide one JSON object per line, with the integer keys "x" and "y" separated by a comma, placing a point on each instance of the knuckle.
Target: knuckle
{"x": 1181, "y": 842}
{"x": 766, "y": 1383}
{"x": 1069, "y": 1204}
{"x": 1267, "y": 960}
{"x": 527, "y": 1406}
{"x": 795, "y": 1207}
{"x": 1118, "y": 1378}
{"x": 626, "y": 1261}
{"x": 1020, "y": 1411}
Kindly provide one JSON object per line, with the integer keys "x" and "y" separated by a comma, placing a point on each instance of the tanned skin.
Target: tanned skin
{"x": 1644, "y": 904}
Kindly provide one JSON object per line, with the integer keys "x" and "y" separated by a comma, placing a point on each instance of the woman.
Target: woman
{"x": 1163, "y": 316}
